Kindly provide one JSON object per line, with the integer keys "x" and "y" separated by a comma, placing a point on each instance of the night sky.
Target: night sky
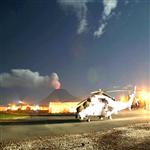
{"x": 90, "y": 44}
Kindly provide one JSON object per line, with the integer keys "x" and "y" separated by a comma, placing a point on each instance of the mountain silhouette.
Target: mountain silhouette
{"x": 58, "y": 95}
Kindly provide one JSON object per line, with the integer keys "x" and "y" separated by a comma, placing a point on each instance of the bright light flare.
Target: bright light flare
{"x": 62, "y": 107}
{"x": 14, "y": 107}
{"x": 144, "y": 95}
{"x": 36, "y": 107}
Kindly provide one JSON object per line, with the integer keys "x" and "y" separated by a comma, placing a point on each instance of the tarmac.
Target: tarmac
{"x": 40, "y": 126}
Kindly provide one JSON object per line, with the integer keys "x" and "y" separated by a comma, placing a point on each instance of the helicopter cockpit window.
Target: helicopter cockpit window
{"x": 99, "y": 99}
{"x": 103, "y": 100}
{"x": 89, "y": 100}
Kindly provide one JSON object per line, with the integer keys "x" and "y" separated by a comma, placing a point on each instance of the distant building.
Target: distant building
{"x": 3, "y": 108}
{"x": 62, "y": 107}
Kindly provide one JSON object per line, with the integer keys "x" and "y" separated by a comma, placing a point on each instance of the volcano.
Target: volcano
{"x": 58, "y": 95}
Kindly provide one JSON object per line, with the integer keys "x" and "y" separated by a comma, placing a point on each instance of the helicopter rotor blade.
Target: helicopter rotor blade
{"x": 113, "y": 91}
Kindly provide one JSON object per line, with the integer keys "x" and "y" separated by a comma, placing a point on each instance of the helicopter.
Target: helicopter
{"x": 100, "y": 104}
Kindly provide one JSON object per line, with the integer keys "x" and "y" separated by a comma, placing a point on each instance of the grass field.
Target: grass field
{"x": 4, "y": 116}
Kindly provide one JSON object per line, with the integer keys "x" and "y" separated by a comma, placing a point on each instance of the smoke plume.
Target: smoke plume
{"x": 23, "y": 78}
{"x": 54, "y": 81}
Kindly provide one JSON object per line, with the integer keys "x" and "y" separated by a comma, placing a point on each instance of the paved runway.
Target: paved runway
{"x": 60, "y": 125}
